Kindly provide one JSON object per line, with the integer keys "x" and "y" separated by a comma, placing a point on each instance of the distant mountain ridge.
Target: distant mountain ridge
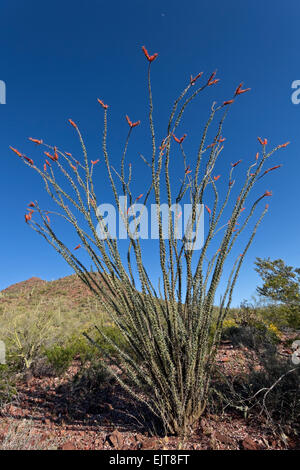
{"x": 68, "y": 292}
{"x": 24, "y": 285}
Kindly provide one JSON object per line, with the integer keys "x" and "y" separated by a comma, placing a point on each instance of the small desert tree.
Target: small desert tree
{"x": 281, "y": 285}
{"x": 168, "y": 327}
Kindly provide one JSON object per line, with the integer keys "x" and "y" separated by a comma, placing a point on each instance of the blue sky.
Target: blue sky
{"x": 58, "y": 57}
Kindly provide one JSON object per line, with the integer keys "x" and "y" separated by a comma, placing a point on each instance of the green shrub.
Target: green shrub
{"x": 251, "y": 336}
{"x": 92, "y": 377}
{"x": 24, "y": 337}
{"x": 281, "y": 316}
{"x": 7, "y": 384}
{"x": 59, "y": 358}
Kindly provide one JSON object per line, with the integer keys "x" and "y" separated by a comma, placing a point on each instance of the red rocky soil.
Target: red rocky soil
{"x": 62, "y": 417}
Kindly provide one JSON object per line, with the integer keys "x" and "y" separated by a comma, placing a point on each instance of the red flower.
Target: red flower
{"x": 267, "y": 193}
{"x": 73, "y": 166}
{"x": 212, "y": 76}
{"x": 139, "y": 197}
{"x": 216, "y": 177}
{"x": 31, "y": 204}
{"x": 132, "y": 124}
{"x": 267, "y": 206}
{"x": 69, "y": 154}
{"x": 29, "y": 160}
{"x": 16, "y": 151}
{"x": 211, "y": 145}
{"x": 48, "y": 219}
{"x": 271, "y": 169}
{"x": 221, "y": 139}
{"x": 95, "y": 161}
{"x": 151, "y": 58}
{"x": 27, "y": 217}
{"x": 284, "y": 145}
{"x": 227, "y": 102}
{"x": 46, "y": 161}
{"x": 179, "y": 141}
{"x": 53, "y": 157}
{"x": 55, "y": 154}
{"x": 77, "y": 247}
{"x": 239, "y": 90}
{"x": 104, "y": 106}
{"x": 236, "y": 163}
{"x": 257, "y": 155}
{"x": 208, "y": 210}
{"x": 211, "y": 80}
{"x": 72, "y": 123}
{"x": 262, "y": 142}
{"x": 36, "y": 141}
{"x": 187, "y": 171}
{"x": 45, "y": 167}
{"x": 193, "y": 80}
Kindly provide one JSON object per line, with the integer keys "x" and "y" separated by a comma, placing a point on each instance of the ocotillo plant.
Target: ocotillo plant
{"x": 168, "y": 328}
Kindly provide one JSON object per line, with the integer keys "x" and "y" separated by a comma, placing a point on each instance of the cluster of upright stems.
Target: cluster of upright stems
{"x": 172, "y": 330}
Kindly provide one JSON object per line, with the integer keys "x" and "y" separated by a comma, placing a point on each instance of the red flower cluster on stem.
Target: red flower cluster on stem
{"x": 262, "y": 142}
{"x": 52, "y": 157}
{"x": 212, "y": 80}
{"x": 271, "y": 169}
{"x": 193, "y": 80}
{"x": 283, "y": 145}
{"x": 29, "y": 160}
{"x": 104, "y": 106}
{"x": 150, "y": 58}
{"x": 36, "y": 141}
{"x": 72, "y": 123}
{"x": 28, "y": 216}
{"x": 228, "y": 102}
{"x": 179, "y": 141}
{"x": 16, "y": 151}
{"x": 132, "y": 124}
{"x": 208, "y": 209}
{"x": 239, "y": 90}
